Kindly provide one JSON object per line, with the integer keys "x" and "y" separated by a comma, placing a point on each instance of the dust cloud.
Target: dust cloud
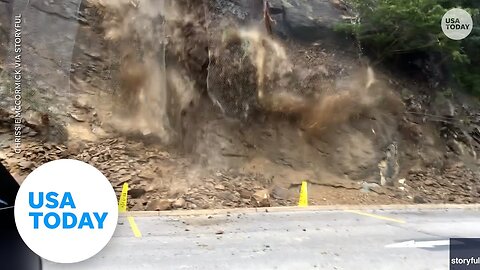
{"x": 151, "y": 95}
{"x": 248, "y": 71}
{"x": 278, "y": 81}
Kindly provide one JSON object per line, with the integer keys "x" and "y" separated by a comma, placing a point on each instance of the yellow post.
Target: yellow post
{"x": 303, "y": 201}
{"x": 122, "y": 208}
{"x": 122, "y": 203}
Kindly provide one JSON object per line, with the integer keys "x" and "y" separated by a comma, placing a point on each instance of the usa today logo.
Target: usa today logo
{"x": 457, "y": 24}
{"x": 66, "y": 211}
{"x": 67, "y": 220}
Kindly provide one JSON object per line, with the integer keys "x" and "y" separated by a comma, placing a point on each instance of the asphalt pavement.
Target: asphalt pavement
{"x": 403, "y": 237}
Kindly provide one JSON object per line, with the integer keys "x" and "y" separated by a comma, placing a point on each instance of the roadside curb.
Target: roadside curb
{"x": 304, "y": 209}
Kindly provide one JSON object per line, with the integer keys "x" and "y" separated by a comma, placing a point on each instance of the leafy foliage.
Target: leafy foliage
{"x": 396, "y": 28}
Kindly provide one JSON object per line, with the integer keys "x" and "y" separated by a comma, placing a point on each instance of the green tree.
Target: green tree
{"x": 393, "y": 28}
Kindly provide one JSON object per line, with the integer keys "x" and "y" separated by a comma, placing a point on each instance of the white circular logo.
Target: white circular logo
{"x": 457, "y": 24}
{"x": 66, "y": 211}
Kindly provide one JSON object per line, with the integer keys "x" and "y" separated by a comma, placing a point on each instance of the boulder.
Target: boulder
{"x": 306, "y": 20}
{"x": 261, "y": 198}
{"x": 159, "y": 205}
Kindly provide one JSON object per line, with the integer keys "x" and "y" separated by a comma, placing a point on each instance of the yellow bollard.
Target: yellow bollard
{"x": 303, "y": 201}
{"x": 122, "y": 208}
{"x": 122, "y": 203}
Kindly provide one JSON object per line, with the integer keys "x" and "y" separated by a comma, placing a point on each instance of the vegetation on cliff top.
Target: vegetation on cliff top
{"x": 395, "y": 29}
